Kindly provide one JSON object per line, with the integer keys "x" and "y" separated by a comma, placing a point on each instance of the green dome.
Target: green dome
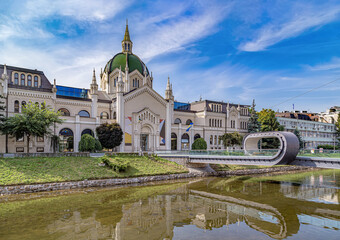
{"x": 119, "y": 60}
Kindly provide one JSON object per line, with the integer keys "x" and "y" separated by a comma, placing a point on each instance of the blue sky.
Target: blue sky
{"x": 220, "y": 50}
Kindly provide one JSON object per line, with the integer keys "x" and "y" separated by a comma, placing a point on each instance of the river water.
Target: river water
{"x": 298, "y": 206}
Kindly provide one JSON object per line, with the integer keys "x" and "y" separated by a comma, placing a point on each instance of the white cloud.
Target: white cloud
{"x": 300, "y": 21}
{"x": 334, "y": 64}
{"x": 179, "y": 31}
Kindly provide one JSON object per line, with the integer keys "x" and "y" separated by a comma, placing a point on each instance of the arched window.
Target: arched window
{"x": 177, "y": 121}
{"x": 215, "y": 142}
{"x": 211, "y": 140}
{"x": 87, "y": 131}
{"x": 197, "y": 136}
{"x": 16, "y": 78}
{"x": 36, "y": 81}
{"x": 16, "y": 106}
{"x": 23, "y": 104}
{"x": 29, "y": 80}
{"x": 66, "y": 139}
{"x": 22, "y": 79}
{"x": 64, "y": 112}
{"x": 104, "y": 115}
{"x": 173, "y": 141}
{"x": 115, "y": 82}
{"x": 114, "y": 115}
{"x": 185, "y": 141}
{"x": 209, "y": 122}
{"x": 84, "y": 113}
{"x": 188, "y": 122}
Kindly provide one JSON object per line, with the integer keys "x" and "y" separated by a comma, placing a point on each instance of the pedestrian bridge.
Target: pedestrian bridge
{"x": 286, "y": 154}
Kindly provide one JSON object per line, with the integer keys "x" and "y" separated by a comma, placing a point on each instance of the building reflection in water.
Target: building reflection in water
{"x": 276, "y": 210}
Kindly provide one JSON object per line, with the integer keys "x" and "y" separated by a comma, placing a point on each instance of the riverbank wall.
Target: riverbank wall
{"x": 45, "y": 187}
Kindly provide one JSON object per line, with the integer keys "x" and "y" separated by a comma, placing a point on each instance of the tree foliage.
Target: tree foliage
{"x": 87, "y": 143}
{"x": 337, "y": 126}
{"x": 231, "y": 139}
{"x": 109, "y": 135}
{"x": 34, "y": 121}
{"x": 297, "y": 133}
{"x": 253, "y": 123}
{"x": 98, "y": 145}
{"x": 199, "y": 144}
{"x": 269, "y": 123}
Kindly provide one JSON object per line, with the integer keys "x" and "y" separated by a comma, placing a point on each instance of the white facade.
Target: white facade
{"x": 330, "y": 115}
{"x": 312, "y": 133}
{"x": 149, "y": 121}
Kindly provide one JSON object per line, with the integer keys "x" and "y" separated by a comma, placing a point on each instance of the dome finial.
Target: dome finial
{"x": 127, "y": 43}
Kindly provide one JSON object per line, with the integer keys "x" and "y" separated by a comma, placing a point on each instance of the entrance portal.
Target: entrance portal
{"x": 144, "y": 142}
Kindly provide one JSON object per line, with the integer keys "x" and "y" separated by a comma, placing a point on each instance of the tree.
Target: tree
{"x": 297, "y": 134}
{"x": 337, "y": 126}
{"x": 253, "y": 123}
{"x": 199, "y": 144}
{"x": 231, "y": 139}
{"x": 87, "y": 143}
{"x": 269, "y": 123}
{"x": 34, "y": 121}
{"x": 109, "y": 135}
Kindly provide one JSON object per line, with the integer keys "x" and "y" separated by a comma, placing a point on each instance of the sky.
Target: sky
{"x": 280, "y": 53}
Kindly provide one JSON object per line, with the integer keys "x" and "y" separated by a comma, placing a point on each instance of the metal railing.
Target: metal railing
{"x": 234, "y": 152}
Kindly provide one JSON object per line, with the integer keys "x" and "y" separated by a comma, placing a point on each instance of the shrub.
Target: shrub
{"x": 118, "y": 165}
{"x": 328, "y": 146}
{"x": 98, "y": 145}
{"x": 87, "y": 143}
{"x": 110, "y": 135}
{"x": 199, "y": 144}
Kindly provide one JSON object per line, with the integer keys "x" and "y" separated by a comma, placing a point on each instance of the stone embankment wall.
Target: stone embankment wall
{"x": 18, "y": 189}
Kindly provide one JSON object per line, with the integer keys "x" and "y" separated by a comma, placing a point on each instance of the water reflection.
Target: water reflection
{"x": 258, "y": 209}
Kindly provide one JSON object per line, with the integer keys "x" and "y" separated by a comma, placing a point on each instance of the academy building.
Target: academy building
{"x": 149, "y": 120}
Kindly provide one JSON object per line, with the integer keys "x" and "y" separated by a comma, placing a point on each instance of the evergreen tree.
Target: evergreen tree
{"x": 253, "y": 123}
{"x": 199, "y": 144}
{"x": 297, "y": 133}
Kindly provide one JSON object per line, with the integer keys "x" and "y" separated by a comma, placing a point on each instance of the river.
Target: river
{"x": 295, "y": 206}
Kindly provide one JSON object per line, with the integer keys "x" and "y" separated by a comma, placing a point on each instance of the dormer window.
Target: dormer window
{"x": 22, "y": 79}
{"x": 16, "y": 79}
{"x": 35, "y": 81}
{"x": 29, "y": 80}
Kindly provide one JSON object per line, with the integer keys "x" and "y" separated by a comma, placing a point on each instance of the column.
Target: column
{"x": 76, "y": 137}
{"x": 168, "y": 127}
{"x": 179, "y": 137}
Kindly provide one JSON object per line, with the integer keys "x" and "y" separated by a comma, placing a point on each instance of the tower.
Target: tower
{"x": 120, "y": 107}
{"x": 94, "y": 95}
{"x": 127, "y": 43}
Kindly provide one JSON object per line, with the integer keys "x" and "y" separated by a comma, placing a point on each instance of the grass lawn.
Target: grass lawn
{"x": 328, "y": 155}
{"x": 58, "y": 169}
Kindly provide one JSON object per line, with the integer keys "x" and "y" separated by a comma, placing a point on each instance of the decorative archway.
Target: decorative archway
{"x": 66, "y": 140}
{"x": 185, "y": 142}
{"x": 177, "y": 121}
{"x": 173, "y": 141}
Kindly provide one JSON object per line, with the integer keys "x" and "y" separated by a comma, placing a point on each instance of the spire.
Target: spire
{"x": 127, "y": 43}
{"x": 127, "y": 34}
{"x": 120, "y": 77}
{"x": 94, "y": 80}
{"x": 54, "y": 88}
{"x": 5, "y": 69}
{"x": 4, "y": 75}
{"x": 168, "y": 84}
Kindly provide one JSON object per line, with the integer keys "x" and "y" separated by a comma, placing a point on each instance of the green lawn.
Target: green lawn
{"x": 328, "y": 155}
{"x": 58, "y": 169}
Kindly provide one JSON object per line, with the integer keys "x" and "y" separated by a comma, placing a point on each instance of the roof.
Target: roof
{"x": 45, "y": 83}
{"x": 119, "y": 61}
